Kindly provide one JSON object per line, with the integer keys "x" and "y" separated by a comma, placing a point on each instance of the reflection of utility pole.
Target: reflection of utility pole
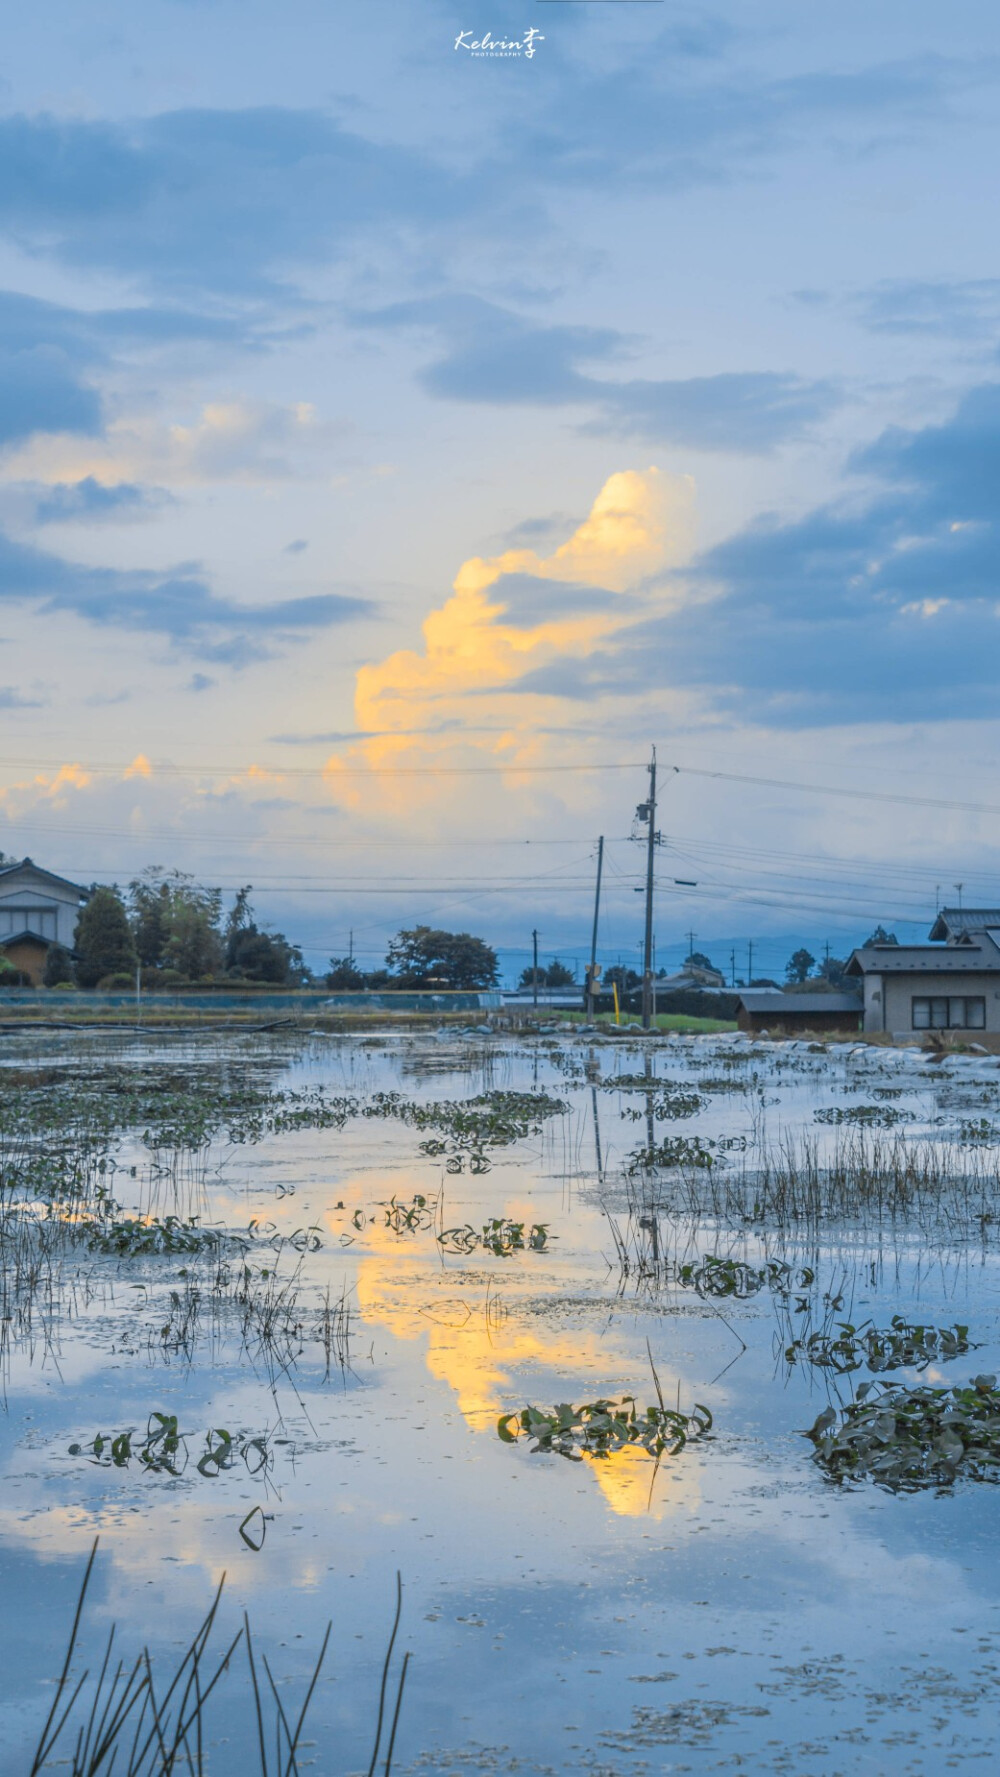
{"x": 592, "y": 971}
{"x": 534, "y": 969}
{"x": 647, "y": 812}
{"x": 597, "y": 1135}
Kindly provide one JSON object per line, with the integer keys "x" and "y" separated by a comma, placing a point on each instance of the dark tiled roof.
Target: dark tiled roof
{"x": 926, "y": 959}
{"x": 951, "y": 920}
{"x": 50, "y": 875}
{"x": 783, "y": 1003}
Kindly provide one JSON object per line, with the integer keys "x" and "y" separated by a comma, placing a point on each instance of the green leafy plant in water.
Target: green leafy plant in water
{"x": 129, "y": 1237}
{"x": 677, "y": 1150}
{"x": 714, "y": 1276}
{"x": 598, "y": 1428}
{"x": 498, "y": 1236}
{"x": 898, "y": 1347}
{"x": 866, "y": 1116}
{"x": 164, "y": 1449}
{"x": 907, "y": 1439}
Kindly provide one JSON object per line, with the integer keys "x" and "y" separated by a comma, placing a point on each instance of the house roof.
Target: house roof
{"x": 50, "y": 876}
{"x": 25, "y": 937}
{"x": 927, "y": 959}
{"x": 952, "y": 920}
{"x": 769, "y": 1000}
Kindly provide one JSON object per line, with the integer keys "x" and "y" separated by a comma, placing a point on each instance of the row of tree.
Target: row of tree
{"x": 172, "y": 931}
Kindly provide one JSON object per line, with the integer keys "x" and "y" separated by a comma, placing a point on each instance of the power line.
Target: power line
{"x": 781, "y": 783}
{"x": 306, "y": 771}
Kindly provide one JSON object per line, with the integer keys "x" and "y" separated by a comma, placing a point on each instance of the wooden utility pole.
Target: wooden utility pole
{"x": 592, "y": 971}
{"x": 534, "y": 968}
{"x": 647, "y": 950}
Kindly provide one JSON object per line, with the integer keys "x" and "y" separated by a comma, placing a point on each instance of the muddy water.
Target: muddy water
{"x": 727, "y": 1609}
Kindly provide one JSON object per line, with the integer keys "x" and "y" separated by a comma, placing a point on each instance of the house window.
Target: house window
{"x": 949, "y": 1014}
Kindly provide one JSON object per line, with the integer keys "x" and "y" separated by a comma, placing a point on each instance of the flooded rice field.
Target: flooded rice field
{"x": 663, "y": 1375}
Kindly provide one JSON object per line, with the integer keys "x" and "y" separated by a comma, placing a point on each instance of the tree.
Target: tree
{"x": 699, "y": 960}
{"x": 556, "y": 975}
{"x": 424, "y": 957}
{"x": 344, "y": 976}
{"x": 832, "y": 970}
{"x": 880, "y": 936}
{"x": 622, "y": 978}
{"x": 798, "y": 965}
{"x": 103, "y": 938}
{"x": 255, "y": 955}
{"x": 176, "y": 923}
{"x": 58, "y": 971}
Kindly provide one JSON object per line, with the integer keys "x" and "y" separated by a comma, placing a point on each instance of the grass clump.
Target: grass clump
{"x": 908, "y": 1439}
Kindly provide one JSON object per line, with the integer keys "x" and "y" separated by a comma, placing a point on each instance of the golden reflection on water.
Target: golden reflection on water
{"x": 478, "y": 1345}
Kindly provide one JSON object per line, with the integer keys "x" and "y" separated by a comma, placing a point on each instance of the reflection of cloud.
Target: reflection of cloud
{"x": 479, "y": 1355}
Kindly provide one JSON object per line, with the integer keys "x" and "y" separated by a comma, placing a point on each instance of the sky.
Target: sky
{"x": 400, "y": 439}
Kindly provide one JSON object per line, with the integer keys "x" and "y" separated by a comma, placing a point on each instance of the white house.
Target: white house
{"x": 950, "y": 984}
{"x": 37, "y": 910}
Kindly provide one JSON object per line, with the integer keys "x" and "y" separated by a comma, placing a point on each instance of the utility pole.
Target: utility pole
{"x": 749, "y": 961}
{"x": 534, "y": 969}
{"x": 350, "y": 947}
{"x": 592, "y": 972}
{"x": 647, "y": 954}
{"x": 691, "y": 936}
{"x": 732, "y": 965}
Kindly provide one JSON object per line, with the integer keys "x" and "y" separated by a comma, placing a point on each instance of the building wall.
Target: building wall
{"x": 782, "y": 1020}
{"x": 28, "y": 957}
{"x": 30, "y": 903}
{"x": 900, "y": 991}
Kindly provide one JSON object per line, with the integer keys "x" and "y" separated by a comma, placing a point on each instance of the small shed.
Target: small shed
{"x": 782, "y": 1013}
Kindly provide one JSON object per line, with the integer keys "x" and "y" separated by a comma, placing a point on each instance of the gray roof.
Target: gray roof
{"x": 771, "y": 1000}
{"x": 926, "y": 959}
{"x": 10, "y": 938}
{"x": 952, "y": 920}
{"x": 50, "y": 875}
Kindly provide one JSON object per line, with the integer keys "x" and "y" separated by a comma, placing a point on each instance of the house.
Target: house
{"x": 781, "y": 1013}
{"x": 949, "y": 983}
{"x": 37, "y": 910}
{"x": 688, "y": 976}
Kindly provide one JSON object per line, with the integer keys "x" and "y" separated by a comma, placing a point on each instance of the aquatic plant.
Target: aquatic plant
{"x": 498, "y": 1236}
{"x": 867, "y": 1116}
{"x": 677, "y": 1150}
{"x": 907, "y": 1439}
{"x": 714, "y": 1276}
{"x": 163, "y": 1449}
{"x": 129, "y": 1237}
{"x": 897, "y": 1347}
{"x": 142, "y": 1726}
{"x": 598, "y": 1428}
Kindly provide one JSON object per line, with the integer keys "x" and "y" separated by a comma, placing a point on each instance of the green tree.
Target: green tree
{"x": 424, "y": 957}
{"x": 150, "y": 905}
{"x": 798, "y": 965}
{"x": 556, "y": 975}
{"x": 699, "y": 960}
{"x": 344, "y": 976}
{"x": 832, "y": 970}
{"x": 103, "y": 938}
{"x": 58, "y": 971}
{"x": 176, "y": 923}
{"x": 880, "y": 936}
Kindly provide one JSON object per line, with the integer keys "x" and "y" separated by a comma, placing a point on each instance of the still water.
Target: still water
{"x": 725, "y": 1609}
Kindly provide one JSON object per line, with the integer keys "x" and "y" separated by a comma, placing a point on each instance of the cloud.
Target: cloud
{"x": 10, "y": 699}
{"x": 952, "y": 308}
{"x": 884, "y": 609}
{"x": 297, "y": 547}
{"x": 492, "y": 355}
{"x": 223, "y": 200}
{"x": 231, "y": 441}
{"x": 508, "y": 615}
{"x": 179, "y": 605}
{"x": 89, "y": 502}
{"x": 41, "y": 392}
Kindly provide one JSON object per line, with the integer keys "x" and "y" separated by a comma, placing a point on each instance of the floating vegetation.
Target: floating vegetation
{"x": 130, "y": 1237}
{"x": 163, "y": 1449}
{"x": 670, "y": 1106}
{"x": 901, "y": 1346}
{"x": 498, "y": 1236}
{"x": 978, "y": 1132}
{"x": 907, "y": 1439}
{"x": 677, "y": 1150}
{"x": 865, "y": 1116}
{"x": 598, "y": 1428}
{"x": 713, "y": 1276}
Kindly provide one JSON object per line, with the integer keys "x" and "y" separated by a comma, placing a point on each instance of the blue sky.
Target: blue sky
{"x": 388, "y": 432}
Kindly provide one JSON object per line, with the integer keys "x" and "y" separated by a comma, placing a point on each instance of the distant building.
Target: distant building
{"x": 689, "y": 975}
{"x": 37, "y": 910}
{"x": 950, "y": 983}
{"x": 760, "y": 1009}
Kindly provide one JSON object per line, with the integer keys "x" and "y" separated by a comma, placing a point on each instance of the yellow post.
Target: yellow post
{"x": 614, "y": 989}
